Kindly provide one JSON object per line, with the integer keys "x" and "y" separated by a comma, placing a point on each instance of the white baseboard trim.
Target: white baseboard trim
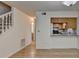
{"x": 16, "y": 51}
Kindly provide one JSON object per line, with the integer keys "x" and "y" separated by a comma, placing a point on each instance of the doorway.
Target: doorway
{"x": 33, "y": 27}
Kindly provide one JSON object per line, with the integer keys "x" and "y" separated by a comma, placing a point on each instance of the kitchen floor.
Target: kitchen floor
{"x": 31, "y": 52}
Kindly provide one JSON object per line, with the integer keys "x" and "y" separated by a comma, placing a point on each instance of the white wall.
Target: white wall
{"x": 10, "y": 41}
{"x": 43, "y": 25}
{"x": 64, "y": 42}
{"x": 78, "y": 31}
{"x": 42, "y": 32}
{"x": 78, "y": 42}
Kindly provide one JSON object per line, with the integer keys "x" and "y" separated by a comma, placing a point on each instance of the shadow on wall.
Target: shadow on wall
{"x": 4, "y": 8}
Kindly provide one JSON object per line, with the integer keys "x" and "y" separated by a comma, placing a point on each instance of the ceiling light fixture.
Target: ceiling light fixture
{"x": 69, "y": 3}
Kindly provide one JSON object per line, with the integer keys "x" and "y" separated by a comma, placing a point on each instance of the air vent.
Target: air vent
{"x": 22, "y": 42}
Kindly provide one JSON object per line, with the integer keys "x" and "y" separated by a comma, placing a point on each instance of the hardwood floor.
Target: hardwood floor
{"x": 31, "y": 52}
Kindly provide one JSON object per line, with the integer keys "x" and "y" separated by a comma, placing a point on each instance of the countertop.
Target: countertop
{"x": 62, "y": 35}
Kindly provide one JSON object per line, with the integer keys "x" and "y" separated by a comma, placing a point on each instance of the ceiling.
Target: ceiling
{"x": 30, "y": 7}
